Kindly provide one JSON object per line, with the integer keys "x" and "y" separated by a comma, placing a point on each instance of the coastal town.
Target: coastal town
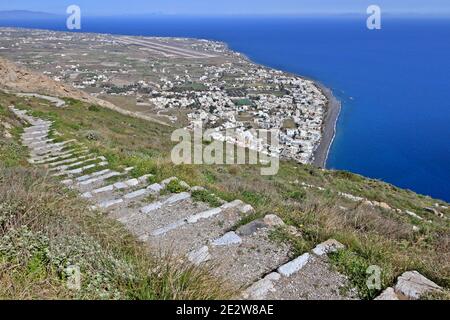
{"x": 181, "y": 82}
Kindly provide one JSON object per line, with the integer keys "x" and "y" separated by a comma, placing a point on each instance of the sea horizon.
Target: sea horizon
{"x": 387, "y": 128}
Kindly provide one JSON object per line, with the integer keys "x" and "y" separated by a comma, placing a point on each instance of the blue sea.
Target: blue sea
{"x": 394, "y": 83}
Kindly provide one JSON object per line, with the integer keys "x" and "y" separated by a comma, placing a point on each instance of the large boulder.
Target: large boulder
{"x": 388, "y": 294}
{"x": 413, "y": 285}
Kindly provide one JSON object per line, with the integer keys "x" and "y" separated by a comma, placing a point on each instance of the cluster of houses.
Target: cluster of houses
{"x": 217, "y": 86}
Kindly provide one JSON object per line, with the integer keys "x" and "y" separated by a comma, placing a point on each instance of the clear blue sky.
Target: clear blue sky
{"x": 214, "y": 7}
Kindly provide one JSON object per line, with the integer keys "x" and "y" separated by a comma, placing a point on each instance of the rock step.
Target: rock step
{"x": 129, "y": 197}
{"x": 79, "y": 171}
{"x": 69, "y": 166}
{"x": 48, "y": 152}
{"x": 35, "y": 131}
{"x": 44, "y": 126}
{"x": 411, "y": 285}
{"x": 210, "y": 213}
{"x": 35, "y": 144}
{"x": 245, "y": 255}
{"x": 92, "y": 179}
{"x": 39, "y": 127}
{"x": 67, "y": 154}
{"x": 52, "y": 146}
{"x": 69, "y": 160}
{"x": 143, "y": 218}
{"x": 195, "y": 230}
{"x": 307, "y": 277}
{"x": 98, "y": 180}
{"x": 40, "y": 138}
{"x": 34, "y": 134}
{"x": 102, "y": 193}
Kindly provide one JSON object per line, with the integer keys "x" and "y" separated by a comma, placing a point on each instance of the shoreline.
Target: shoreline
{"x": 329, "y": 127}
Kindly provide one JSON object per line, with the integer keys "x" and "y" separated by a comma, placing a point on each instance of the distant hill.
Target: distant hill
{"x": 26, "y": 15}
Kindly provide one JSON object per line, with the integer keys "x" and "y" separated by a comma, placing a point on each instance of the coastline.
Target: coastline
{"x": 329, "y": 127}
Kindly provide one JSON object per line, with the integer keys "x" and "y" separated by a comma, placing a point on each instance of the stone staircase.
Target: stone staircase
{"x": 174, "y": 223}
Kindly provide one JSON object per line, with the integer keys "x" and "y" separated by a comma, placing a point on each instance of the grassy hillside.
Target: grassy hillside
{"x": 374, "y": 236}
{"x": 44, "y": 229}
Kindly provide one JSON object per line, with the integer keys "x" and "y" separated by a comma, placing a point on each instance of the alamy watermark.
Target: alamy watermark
{"x": 73, "y": 22}
{"x": 373, "y": 281}
{"x": 374, "y": 19}
{"x": 73, "y": 280}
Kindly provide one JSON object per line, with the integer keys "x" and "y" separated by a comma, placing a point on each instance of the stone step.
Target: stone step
{"x": 51, "y": 150}
{"x": 193, "y": 219}
{"x": 66, "y": 154}
{"x": 91, "y": 178}
{"x": 95, "y": 181}
{"x": 245, "y": 255}
{"x": 80, "y": 171}
{"x": 65, "y": 167}
{"x": 195, "y": 230}
{"x": 129, "y": 197}
{"x": 108, "y": 190}
{"x": 69, "y": 160}
{"x": 99, "y": 181}
{"x": 35, "y": 144}
{"x": 39, "y": 137}
{"x": 53, "y": 146}
{"x": 307, "y": 277}
{"x": 42, "y": 124}
{"x": 42, "y": 127}
{"x": 141, "y": 218}
{"x": 33, "y": 134}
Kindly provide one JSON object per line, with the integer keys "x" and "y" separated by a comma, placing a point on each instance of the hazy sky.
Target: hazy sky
{"x": 111, "y": 7}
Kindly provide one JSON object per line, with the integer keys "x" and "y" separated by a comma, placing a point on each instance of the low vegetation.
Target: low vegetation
{"x": 45, "y": 230}
{"x": 373, "y": 236}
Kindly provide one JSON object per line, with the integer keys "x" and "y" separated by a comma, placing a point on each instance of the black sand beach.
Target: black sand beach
{"x": 329, "y": 127}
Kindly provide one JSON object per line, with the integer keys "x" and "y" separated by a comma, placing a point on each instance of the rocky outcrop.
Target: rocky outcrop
{"x": 411, "y": 285}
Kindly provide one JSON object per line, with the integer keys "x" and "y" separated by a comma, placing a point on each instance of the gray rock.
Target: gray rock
{"x": 120, "y": 185}
{"x": 388, "y": 294}
{"x": 203, "y": 215}
{"x": 273, "y": 220}
{"x": 184, "y": 185}
{"x": 135, "y": 194}
{"x": 156, "y": 188}
{"x": 414, "y": 215}
{"x": 328, "y": 246}
{"x": 251, "y": 227}
{"x": 227, "y": 239}
{"x": 168, "y": 180}
{"x": 151, "y": 207}
{"x": 197, "y": 188}
{"x": 199, "y": 256}
{"x": 260, "y": 289}
{"x": 413, "y": 285}
{"x": 246, "y": 209}
{"x": 294, "y": 266}
{"x": 435, "y": 212}
{"x": 109, "y": 203}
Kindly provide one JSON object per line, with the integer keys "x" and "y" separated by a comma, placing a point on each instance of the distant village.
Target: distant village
{"x": 204, "y": 79}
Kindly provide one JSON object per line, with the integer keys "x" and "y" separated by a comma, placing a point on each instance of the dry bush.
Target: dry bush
{"x": 45, "y": 228}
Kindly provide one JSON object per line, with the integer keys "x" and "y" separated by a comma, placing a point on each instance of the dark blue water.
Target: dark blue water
{"x": 394, "y": 83}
